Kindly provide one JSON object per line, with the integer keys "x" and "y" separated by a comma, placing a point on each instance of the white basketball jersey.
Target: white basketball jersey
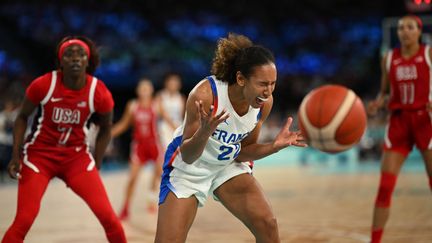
{"x": 173, "y": 106}
{"x": 224, "y": 144}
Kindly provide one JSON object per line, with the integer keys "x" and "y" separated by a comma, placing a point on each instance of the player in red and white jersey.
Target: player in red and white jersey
{"x": 406, "y": 70}
{"x": 140, "y": 114}
{"x": 65, "y": 99}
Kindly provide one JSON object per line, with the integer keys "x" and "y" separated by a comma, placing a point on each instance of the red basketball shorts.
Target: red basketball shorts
{"x": 408, "y": 128}
{"x": 144, "y": 152}
{"x": 63, "y": 163}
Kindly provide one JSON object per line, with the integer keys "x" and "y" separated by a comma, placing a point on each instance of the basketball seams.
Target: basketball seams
{"x": 341, "y": 114}
{"x": 311, "y": 129}
{"x": 324, "y": 138}
{"x": 329, "y": 131}
{"x": 321, "y": 132}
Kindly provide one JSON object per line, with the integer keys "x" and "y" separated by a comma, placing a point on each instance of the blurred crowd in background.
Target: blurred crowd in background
{"x": 315, "y": 43}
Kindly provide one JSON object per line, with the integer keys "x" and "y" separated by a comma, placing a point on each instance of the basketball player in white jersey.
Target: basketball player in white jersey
{"x": 171, "y": 104}
{"x": 224, "y": 114}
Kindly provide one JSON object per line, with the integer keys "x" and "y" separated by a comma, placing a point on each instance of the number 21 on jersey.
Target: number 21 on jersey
{"x": 226, "y": 152}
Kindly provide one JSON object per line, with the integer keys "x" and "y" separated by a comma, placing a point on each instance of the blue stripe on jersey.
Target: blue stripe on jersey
{"x": 215, "y": 94}
{"x": 259, "y": 115}
{"x": 166, "y": 186}
{"x": 213, "y": 86}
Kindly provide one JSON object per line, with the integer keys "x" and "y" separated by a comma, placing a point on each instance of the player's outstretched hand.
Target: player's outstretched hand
{"x": 287, "y": 138}
{"x": 372, "y": 108}
{"x": 14, "y": 169}
{"x": 209, "y": 122}
{"x": 374, "y": 105}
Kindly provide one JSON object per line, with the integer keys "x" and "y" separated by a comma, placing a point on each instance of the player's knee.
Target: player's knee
{"x": 271, "y": 224}
{"x": 268, "y": 226}
{"x": 385, "y": 191}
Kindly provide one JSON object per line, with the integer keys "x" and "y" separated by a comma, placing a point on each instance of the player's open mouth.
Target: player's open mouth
{"x": 75, "y": 67}
{"x": 261, "y": 100}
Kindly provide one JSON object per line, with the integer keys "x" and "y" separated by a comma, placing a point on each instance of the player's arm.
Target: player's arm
{"x": 385, "y": 83}
{"x": 163, "y": 114}
{"x": 379, "y": 101}
{"x": 123, "y": 124}
{"x": 19, "y": 130}
{"x": 104, "y": 122}
{"x": 200, "y": 123}
{"x": 251, "y": 150}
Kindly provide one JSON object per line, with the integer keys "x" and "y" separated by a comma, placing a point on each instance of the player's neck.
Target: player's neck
{"x": 238, "y": 101}
{"x": 145, "y": 101}
{"x": 171, "y": 92}
{"x": 408, "y": 51}
{"x": 74, "y": 82}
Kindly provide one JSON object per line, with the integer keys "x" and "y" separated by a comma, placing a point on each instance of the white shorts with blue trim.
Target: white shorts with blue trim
{"x": 199, "y": 179}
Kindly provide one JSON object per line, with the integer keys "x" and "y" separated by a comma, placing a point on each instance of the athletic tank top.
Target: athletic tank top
{"x": 144, "y": 121}
{"x": 410, "y": 79}
{"x": 224, "y": 144}
{"x": 173, "y": 105}
{"x": 63, "y": 113}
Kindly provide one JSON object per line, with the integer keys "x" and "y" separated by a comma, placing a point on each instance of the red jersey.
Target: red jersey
{"x": 410, "y": 79}
{"x": 63, "y": 113}
{"x": 144, "y": 122}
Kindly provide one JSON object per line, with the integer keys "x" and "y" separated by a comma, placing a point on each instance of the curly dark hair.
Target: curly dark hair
{"x": 237, "y": 53}
{"x": 94, "y": 53}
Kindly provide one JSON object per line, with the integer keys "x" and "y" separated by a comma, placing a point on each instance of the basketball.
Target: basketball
{"x": 332, "y": 118}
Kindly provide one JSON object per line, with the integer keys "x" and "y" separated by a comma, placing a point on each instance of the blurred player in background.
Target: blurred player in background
{"x": 141, "y": 115}
{"x": 171, "y": 105}
{"x": 406, "y": 70}
{"x": 57, "y": 146}
{"x": 224, "y": 114}
{"x": 7, "y": 118}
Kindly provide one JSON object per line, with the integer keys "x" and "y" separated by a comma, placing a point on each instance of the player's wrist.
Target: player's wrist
{"x": 203, "y": 134}
{"x": 275, "y": 147}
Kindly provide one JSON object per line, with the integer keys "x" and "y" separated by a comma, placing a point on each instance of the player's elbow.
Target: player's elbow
{"x": 187, "y": 156}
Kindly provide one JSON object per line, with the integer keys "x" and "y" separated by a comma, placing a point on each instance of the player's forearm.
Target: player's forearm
{"x": 102, "y": 140}
{"x": 118, "y": 129}
{"x": 192, "y": 148}
{"x": 256, "y": 151}
{"x": 384, "y": 88}
{"x": 20, "y": 127}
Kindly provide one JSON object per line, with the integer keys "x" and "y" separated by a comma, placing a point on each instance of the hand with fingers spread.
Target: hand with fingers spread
{"x": 287, "y": 138}
{"x": 14, "y": 169}
{"x": 208, "y": 120}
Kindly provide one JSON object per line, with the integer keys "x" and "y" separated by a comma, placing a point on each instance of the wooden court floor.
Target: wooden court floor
{"x": 310, "y": 207}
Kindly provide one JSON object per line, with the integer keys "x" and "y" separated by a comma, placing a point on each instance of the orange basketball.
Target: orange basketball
{"x": 332, "y": 118}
